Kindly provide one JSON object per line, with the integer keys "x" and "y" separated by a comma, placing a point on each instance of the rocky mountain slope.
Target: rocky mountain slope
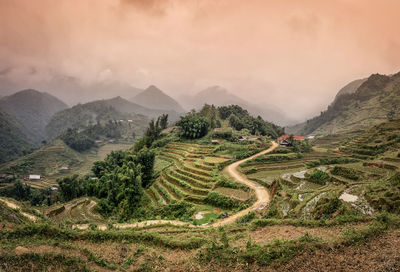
{"x": 371, "y": 103}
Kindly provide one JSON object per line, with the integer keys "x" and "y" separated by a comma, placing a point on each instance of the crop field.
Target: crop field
{"x": 76, "y": 211}
{"x": 351, "y": 175}
{"x": 188, "y": 172}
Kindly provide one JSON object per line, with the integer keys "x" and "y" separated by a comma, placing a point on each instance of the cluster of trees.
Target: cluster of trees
{"x": 197, "y": 124}
{"x": 24, "y": 192}
{"x": 120, "y": 179}
{"x": 153, "y": 132}
{"x": 119, "y": 182}
{"x": 239, "y": 119}
{"x": 78, "y": 141}
{"x": 85, "y": 139}
{"x": 193, "y": 126}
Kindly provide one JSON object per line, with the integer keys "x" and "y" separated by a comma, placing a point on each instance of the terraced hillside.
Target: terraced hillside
{"x": 76, "y": 211}
{"x": 354, "y": 177}
{"x": 191, "y": 177}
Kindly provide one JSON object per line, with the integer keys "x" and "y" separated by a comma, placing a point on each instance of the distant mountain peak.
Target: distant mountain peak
{"x": 154, "y": 98}
{"x": 152, "y": 88}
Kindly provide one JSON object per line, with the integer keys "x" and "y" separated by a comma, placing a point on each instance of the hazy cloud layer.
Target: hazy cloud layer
{"x": 295, "y": 54}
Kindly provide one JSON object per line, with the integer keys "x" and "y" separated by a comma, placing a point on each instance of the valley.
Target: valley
{"x": 228, "y": 198}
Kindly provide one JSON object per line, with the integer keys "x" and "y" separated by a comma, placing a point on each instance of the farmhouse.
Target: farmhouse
{"x": 284, "y": 139}
{"x": 34, "y": 177}
{"x": 215, "y": 142}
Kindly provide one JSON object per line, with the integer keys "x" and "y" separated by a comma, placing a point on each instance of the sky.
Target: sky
{"x": 293, "y": 54}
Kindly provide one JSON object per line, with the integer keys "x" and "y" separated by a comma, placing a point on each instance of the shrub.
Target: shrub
{"x": 319, "y": 177}
{"x": 221, "y": 201}
{"x": 345, "y": 172}
{"x": 327, "y": 161}
{"x": 193, "y": 126}
{"x": 246, "y": 218}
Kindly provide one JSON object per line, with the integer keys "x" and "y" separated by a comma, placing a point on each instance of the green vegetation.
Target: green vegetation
{"x": 32, "y": 110}
{"x": 240, "y": 119}
{"x": 345, "y": 172}
{"x": 193, "y": 126}
{"x": 319, "y": 177}
{"x": 13, "y": 142}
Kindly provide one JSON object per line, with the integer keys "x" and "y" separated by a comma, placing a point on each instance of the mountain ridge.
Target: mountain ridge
{"x": 153, "y": 97}
{"x": 33, "y": 110}
{"x": 358, "y": 109}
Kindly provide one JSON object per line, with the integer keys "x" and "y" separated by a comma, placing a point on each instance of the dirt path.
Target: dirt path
{"x": 262, "y": 194}
{"x": 14, "y": 206}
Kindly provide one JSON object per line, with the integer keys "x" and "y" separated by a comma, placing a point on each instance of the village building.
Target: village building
{"x": 34, "y": 177}
{"x": 284, "y": 139}
{"x": 215, "y": 142}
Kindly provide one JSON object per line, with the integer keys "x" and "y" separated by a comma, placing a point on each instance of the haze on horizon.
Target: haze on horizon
{"x": 295, "y": 55}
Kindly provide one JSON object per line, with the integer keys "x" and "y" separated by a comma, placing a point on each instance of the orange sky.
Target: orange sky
{"x": 304, "y": 49}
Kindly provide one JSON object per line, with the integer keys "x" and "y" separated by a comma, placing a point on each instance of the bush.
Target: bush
{"x": 221, "y": 201}
{"x": 246, "y": 218}
{"x": 319, "y": 177}
{"x": 178, "y": 210}
{"x": 193, "y": 126}
{"x": 345, "y": 172}
{"x": 222, "y": 134}
{"x": 327, "y": 161}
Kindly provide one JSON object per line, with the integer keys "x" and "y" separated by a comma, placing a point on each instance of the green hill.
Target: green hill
{"x": 82, "y": 115}
{"x": 32, "y": 110}
{"x": 13, "y": 142}
{"x": 368, "y": 105}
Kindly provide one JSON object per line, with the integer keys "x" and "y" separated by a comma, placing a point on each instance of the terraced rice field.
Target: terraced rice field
{"x": 266, "y": 172}
{"x": 76, "y": 211}
{"x": 190, "y": 176}
{"x": 362, "y": 184}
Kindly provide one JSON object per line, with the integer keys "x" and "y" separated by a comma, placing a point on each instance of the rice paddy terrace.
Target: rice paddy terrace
{"x": 342, "y": 175}
{"x": 76, "y": 211}
{"x": 190, "y": 174}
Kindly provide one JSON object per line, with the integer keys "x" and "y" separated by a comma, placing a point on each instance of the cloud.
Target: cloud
{"x": 261, "y": 50}
{"x": 157, "y": 7}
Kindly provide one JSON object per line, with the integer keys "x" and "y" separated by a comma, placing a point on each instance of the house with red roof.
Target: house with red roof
{"x": 284, "y": 139}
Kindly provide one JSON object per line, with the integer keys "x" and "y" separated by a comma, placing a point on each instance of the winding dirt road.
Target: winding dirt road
{"x": 263, "y": 197}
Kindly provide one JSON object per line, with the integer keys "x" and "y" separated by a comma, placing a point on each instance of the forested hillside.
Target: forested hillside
{"x": 32, "y": 110}
{"x": 103, "y": 111}
{"x": 376, "y": 100}
{"x": 13, "y": 142}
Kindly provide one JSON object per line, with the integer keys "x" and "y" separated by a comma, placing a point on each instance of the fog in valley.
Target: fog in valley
{"x": 288, "y": 57}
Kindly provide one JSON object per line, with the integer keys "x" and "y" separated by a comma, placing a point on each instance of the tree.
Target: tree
{"x": 145, "y": 158}
{"x": 164, "y": 121}
{"x": 193, "y": 126}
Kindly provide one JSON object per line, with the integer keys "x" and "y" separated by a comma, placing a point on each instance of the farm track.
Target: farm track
{"x": 14, "y": 206}
{"x": 263, "y": 199}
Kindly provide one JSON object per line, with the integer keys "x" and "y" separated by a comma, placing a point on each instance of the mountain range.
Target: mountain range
{"x": 358, "y": 106}
{"x": 82, "y": 115}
